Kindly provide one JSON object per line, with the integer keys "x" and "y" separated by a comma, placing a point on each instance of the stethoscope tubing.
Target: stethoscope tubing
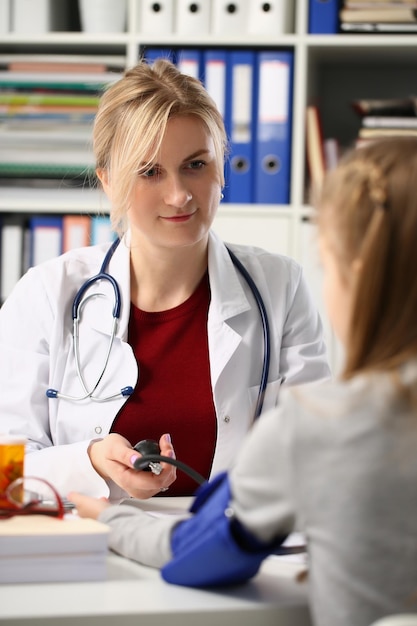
{"x": 265, "y": 330}
{"x": 102, "y": 275}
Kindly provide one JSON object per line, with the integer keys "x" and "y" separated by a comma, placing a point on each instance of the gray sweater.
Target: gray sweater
{"x": 337, "y": 461}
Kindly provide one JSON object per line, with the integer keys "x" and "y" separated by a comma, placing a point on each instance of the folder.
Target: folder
{"x": 11, "y": 249}
{"x": 5, "y": 25}
{"x": 189, "y": 61}
{"x": 215, "y": 79}
{"x": 45, "y": 238}
{"x": 97, "y": 16}
{"x": 75, "y": 232}
{"x": 229, "y": 18}
{"x": 273, "y": 127}
{"x": 101, "y": 230}
{"x": 192, "y": 17}
{"x": 38, "y": 16}
{"x": 323, "y": 17}
{"x": 239, "y": 170}
{"x": 271, "y": 18}
{"x": 156, "y": 18}
{"x": 151, "y": 54}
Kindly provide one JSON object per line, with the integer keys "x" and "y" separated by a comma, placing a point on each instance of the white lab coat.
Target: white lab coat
{"x": 36, "y": 354}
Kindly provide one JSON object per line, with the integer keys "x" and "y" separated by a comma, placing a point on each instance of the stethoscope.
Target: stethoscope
{"x": 80, "y": 300}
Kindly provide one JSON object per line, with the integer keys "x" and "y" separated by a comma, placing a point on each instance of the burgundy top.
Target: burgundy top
{"x": 173, "y": 394}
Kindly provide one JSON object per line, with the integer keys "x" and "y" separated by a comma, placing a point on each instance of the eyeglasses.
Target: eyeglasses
{"x": 30, "y": 495}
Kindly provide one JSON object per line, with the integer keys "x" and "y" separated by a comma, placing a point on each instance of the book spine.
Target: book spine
{"x": 40, "y": 99}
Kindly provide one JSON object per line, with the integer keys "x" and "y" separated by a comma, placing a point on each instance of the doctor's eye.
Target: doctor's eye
{"x": 150, "y": 172}
{"x": 196, "y": 165}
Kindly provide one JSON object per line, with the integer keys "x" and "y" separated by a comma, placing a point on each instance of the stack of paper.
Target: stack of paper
{"x": 378, "y": 16}
{"x": 38, "y": 548}
{"x": 385, "y": 117}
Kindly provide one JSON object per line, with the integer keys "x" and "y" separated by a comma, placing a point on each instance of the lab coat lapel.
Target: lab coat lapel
{"x": 228, "y": 299}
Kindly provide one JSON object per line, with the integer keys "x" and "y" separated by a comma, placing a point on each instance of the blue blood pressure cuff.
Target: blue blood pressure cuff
{"x": 213, "y": 547}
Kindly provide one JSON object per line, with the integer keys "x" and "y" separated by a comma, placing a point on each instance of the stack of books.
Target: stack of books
{"x": 47, "y": 110}
{"x": 38, "y": 548}
{"x": 386, "y": 117}
{"x": 378, "y": 16}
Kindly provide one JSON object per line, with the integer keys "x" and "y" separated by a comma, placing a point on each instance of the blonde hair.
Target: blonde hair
{"x": 367, "y": 212}
{"x": 131, "y": 122}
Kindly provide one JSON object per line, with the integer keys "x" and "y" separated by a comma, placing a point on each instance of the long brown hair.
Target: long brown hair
{"x": 367, "y": 211}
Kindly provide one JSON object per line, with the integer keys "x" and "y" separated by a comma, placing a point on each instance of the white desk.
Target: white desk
{"x": 134, "y": 595}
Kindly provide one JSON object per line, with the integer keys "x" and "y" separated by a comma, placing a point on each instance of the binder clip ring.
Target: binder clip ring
{"x": 271, "y": 164}
{"x": 240, "y": 164}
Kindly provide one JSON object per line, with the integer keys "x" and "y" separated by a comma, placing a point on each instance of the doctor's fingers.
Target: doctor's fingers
{"x": 145, "y": 484}
{"x": 112, "y": 448}
{"x": 166, "y": 447}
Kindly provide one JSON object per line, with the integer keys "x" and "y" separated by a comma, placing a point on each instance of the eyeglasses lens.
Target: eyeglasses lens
{"x": 32, "y": 495}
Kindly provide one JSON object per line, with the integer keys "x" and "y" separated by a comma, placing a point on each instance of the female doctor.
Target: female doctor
{"x": 161, "y": 336}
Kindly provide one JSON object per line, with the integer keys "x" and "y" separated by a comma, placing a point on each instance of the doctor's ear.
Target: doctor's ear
{"x": 103, "y": 175}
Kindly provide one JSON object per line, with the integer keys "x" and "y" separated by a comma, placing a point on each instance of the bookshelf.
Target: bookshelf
{"x": 329, "y": 71}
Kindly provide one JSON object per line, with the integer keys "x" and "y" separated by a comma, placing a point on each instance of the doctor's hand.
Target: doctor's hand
{"x": 113, "y": 457}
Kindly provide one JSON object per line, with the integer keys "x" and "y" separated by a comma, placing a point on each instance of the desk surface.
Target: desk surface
{"x": 137, "y": 595}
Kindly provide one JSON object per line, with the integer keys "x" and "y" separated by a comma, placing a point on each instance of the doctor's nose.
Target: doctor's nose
{"x": 176, "y": 193}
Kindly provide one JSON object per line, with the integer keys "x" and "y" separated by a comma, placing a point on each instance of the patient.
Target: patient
{"x": 337, "y": 460}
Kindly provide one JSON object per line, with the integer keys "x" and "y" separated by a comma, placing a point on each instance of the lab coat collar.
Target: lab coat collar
{"x": 228, "y": 297}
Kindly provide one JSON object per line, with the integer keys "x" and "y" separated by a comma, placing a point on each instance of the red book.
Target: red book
{"x": 314, "y": 146}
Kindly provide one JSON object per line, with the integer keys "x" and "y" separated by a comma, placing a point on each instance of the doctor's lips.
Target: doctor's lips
{"x": 181, "y": 217}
